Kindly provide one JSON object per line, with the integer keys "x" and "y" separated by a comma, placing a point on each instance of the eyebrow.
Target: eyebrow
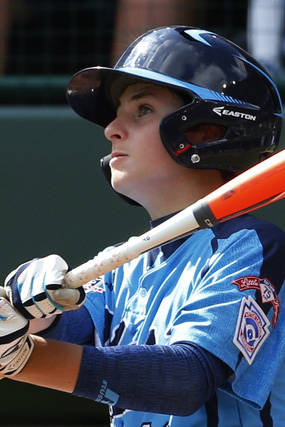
{"x": 142, "y": 93}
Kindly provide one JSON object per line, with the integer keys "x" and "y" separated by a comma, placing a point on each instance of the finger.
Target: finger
{"x": 67, "y": 297}
{"x": 12, "y": 324}
{"x": 2, "y": 292}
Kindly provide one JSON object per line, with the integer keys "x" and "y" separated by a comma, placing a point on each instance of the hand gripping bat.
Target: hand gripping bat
{"x": 258, "y": 186}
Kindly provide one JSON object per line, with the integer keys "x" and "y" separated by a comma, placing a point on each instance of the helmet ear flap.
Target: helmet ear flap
{"x": 104, "y": 163}
{"x": 248, "y": 133}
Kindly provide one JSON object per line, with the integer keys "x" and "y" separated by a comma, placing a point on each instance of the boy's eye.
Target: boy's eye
{"x": 144, "y": 109}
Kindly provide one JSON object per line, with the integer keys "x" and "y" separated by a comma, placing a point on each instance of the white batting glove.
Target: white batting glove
{"x": 16, "y": 345}
{"x": 36, "y": 288}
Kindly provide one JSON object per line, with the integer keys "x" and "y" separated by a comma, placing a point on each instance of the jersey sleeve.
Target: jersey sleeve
{"x": 233, "y": 310}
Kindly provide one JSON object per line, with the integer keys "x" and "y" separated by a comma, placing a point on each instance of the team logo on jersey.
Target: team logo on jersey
{"x": 252, "y": 329}
{"x": 94, "y": 286}
{"x": 267, "y": 290}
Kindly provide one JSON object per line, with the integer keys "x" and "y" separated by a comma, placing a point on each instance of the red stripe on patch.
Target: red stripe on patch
{"x": 266, "y": 289}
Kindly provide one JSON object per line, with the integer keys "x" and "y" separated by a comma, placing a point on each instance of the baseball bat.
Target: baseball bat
{"x": 259, "y": 186}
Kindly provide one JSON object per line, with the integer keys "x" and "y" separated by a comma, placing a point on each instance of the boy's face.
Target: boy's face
{"x": 140, "y": 165}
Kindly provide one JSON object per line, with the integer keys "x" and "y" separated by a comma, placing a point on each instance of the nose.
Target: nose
{"x": 115, "y": 131}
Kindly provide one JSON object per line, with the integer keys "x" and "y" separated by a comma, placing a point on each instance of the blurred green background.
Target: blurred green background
{"x": 54, "y": 198}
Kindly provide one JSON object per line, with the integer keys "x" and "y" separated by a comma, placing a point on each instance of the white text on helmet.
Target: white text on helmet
{"x": 222, "y": 111}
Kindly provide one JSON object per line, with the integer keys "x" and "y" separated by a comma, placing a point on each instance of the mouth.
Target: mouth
{"x": 117, "y": 156}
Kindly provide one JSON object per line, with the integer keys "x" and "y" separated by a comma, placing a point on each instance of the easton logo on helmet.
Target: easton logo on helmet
{"x": 221, "y": 111}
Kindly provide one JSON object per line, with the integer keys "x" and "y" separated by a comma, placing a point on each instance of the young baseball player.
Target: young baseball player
{"x": 190, "y": 333}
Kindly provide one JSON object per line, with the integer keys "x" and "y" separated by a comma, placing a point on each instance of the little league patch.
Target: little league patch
{"x": 252, "y": 329}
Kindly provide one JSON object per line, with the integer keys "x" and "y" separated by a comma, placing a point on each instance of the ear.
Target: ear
{"x": 205, "y": 133}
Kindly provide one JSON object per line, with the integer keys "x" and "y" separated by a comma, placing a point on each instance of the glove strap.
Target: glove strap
{"x": 19, "y": 361}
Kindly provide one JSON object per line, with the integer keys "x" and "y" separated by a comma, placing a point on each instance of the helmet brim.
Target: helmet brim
{"x": 86, "y": 94}
{"x": 93, "y": 92}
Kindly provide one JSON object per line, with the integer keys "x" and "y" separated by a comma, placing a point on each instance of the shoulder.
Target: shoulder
{"x": 258, "y": 241}
{"x": 243, "y": 225}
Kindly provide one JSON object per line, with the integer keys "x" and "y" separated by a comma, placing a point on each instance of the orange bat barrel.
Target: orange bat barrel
{"x": 260, "y": 185}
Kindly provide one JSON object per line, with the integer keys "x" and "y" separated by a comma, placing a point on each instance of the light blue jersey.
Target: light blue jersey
{"x": 220, "y": 289}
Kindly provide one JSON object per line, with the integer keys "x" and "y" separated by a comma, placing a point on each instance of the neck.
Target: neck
{"x": 176, "y": 196}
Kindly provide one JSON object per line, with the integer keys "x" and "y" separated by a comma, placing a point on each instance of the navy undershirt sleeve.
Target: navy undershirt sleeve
{"x": 176, "y": 379}
{"x": 74, "y": 326}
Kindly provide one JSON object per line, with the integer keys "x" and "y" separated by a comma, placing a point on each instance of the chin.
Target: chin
{"x": 121, "y": 185}
{"x": 124, "y": 188}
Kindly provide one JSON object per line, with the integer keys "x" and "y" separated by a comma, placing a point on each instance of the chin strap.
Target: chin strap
{"x": 104, "y": 163}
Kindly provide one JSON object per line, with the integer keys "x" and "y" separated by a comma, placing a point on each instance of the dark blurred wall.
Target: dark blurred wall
{"x": 54, "y": 195}
{"x": 54, "y": 199}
